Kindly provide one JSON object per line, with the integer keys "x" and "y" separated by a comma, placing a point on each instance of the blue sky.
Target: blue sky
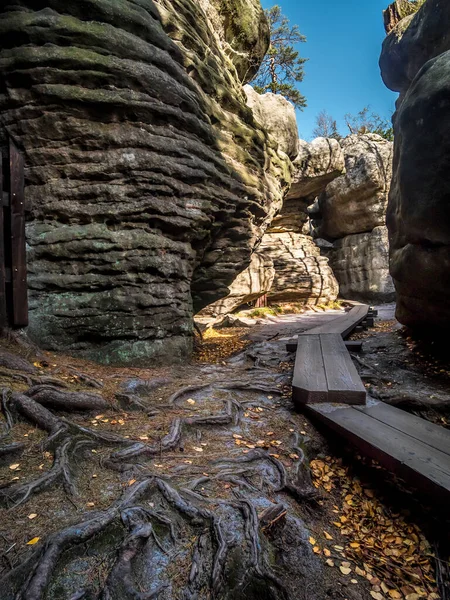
{"x": 343, "y": 46}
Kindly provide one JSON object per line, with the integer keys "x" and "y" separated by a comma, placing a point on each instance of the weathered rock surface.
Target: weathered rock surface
{"x": 277, "y": 116}
{"x": 356, "y": 201}
{"x": 360, "y": 263}
{"x": 301, "y": 273}
{"x": 249, "y": 285}
{"x": 149, "y": 181}
{"x": 416, "y": 62}
{"x": 317, "y": 164}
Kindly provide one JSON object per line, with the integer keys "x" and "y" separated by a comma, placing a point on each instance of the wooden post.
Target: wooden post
{"x": 18, "y": 244}
{"x": 3, "y": 318}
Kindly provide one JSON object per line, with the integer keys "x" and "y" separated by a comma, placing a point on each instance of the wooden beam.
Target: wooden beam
{"x": 353, "y": 346}
{"x": 18, "y": 243}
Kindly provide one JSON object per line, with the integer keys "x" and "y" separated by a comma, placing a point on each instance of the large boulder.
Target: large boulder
{"x": 360, "y": 263}
{"x": 356, "y": 201}
{"x": 149, "y": 180}
{"x": 416, "y": 62}
{"x": 277, "y": 115}
{"x": 301, "y": 274}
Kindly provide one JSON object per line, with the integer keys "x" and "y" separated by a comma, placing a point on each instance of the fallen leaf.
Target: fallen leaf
{"x": 132, "y": 481}
{"x": 33, "y": 541}
{"x": 197, "y": 449}
{"x": 394, "y": 594}
{"x": 345, "y": 570}
{"x": 377, "y": 595}
{"x": 326, "y": 552}
{"x": 312, "y": 541}
{"x": 90, "y": 504}
{"x": 32, "y": 516}
{"x": 327, "y": 535}
{"x": 14, "y": 467}
{"x": 190, "y": 401}
{"x": 329, "y": 562}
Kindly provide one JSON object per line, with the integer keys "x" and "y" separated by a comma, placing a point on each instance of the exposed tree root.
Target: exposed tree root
{"x": 68, "y": 401}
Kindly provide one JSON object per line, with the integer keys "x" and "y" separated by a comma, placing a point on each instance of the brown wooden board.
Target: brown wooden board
{"x": 422, "y": 465}
{"x": 309, "y": 383}
{"x": 18, "y": 244}
{"x": 343, "y": 325}
{"x": 3, "y": 318}
{"x": 420, "y": 429}
{"x": 355, "y": 346}
{"x": 343, "y": 381}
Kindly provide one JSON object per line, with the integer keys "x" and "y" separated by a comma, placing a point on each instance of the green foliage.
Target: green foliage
{"x": 282, "y": 68}
{"x": 363, "y": 122}
{"x": 367, "y": 122}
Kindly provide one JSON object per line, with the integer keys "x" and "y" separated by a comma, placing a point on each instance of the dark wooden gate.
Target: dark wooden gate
{"x": 13, "y": 270}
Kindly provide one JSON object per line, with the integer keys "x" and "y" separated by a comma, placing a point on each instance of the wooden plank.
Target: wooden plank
{"x": 422, "y": 465}
{"x": 343, "y": 381}
{"x": 3, "y": 316}
{"x": 343, "y": 325}
{"x": 309, "y": 383}
{"x": 428, "y": 433}
{"x": 354, "y": 346}
{"x": 18, "y": 244}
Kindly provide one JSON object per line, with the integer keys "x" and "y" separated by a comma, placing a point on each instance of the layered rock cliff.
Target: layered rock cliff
{"x": 148, "y": 178}
{"x": 416, "y": 63}
{"x": 351, "y": 213}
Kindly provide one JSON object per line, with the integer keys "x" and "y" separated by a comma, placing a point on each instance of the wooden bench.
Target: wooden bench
{"x": 324, "y": 371}
{"x": 414, "y": 449}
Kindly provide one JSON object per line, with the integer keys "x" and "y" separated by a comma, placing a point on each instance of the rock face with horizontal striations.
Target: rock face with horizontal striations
{"x": 302, "y": 275}
{"x": 149, "y": 181}
{"x": 416, "y": 62}
{"x": 356, "y": 201}
{"x": 360, "y": 263}
{"x": 351, "y": 212}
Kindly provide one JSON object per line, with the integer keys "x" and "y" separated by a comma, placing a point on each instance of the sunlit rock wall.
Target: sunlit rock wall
{"x": 149, "y": 181}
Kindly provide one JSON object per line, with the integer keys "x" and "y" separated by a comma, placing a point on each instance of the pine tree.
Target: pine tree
{"x": 282, "y": 68}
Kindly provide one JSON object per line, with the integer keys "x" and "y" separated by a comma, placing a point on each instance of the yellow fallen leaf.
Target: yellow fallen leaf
{"x": 33, "y": 541}
{"x": 316, "y": 550}
{"x": 237, "y": 437}
{"x": 312, "y": 541}
{"x": 132, "y": 481}
{"x": 326, "y": 552}
{"x": 14, "y": 467}
{"x": 354, "y": 545}
{"x": 329, "y": 562}
{"x": 90, "y": 504}
{"x": 32, "y": 516}
{"x": 345, "y": 570}
{"x": 327, "y": 535}
{"x": 190, "y": 401}
{"x": 197, "y": 449}
{"x": 395, "y": 594}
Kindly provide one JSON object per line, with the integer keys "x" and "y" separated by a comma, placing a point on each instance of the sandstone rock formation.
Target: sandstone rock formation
{"x": 149, "y": 181}
{"x": 356, "y": 201}
{"x": 301, "y": 274}
{"x": 360, "y": 263}
{"x": 352, "y": 213}
{"x": 277, "y": 116}
{"x": 416, "y": 63}
{"x": 293, "y": 269}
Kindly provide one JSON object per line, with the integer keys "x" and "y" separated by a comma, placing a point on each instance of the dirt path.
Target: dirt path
{"x": 196, "y": 482}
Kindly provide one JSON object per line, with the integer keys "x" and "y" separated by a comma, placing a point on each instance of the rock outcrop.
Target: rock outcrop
{"x": 277, "y": 116}
{"x": 360, "y": 263}
{"x": 416, "y": 62}
{"x": 356, "y": 202}
{"x": 351, "y": 212}
{"x": 292, "y": 268}
{"x": 149, "y": 181}
{"x": 302, "y": 275}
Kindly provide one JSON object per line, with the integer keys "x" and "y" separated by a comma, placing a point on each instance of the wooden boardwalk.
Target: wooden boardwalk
{"x": 327, "y": 386}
